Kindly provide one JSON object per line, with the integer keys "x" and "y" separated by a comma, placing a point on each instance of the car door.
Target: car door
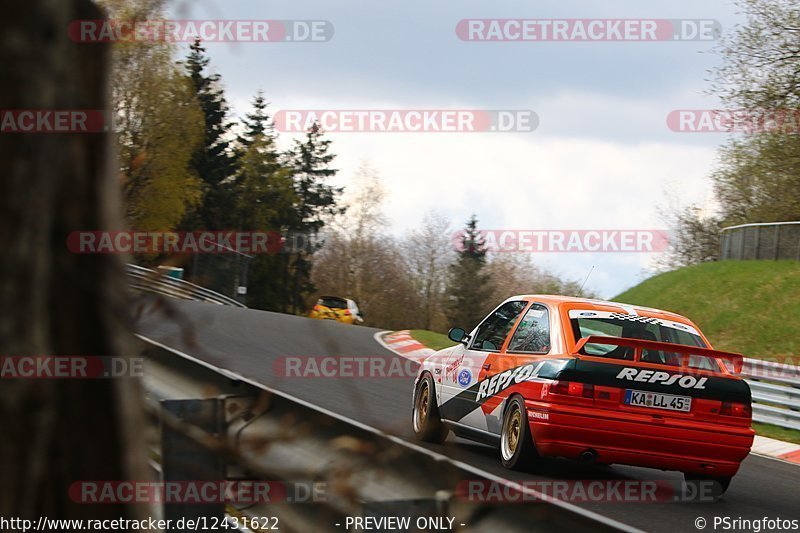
{"x": 466, "y": 367}
{"x": 529, "y": 345}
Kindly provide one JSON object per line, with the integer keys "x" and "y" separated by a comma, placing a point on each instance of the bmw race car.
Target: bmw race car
{"x": 591, "y": 380}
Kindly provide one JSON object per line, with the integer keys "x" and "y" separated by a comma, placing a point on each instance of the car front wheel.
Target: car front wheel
{"x": 426, "y": 420}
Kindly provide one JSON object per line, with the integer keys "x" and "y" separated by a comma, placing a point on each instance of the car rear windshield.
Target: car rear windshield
{"x": 333, "y": 303}
{"x": 606, "y": 324}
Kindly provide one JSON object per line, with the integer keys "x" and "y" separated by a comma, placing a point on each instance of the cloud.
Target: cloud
{"x": 535, "y": 182}
{"x": 602, "y": 157}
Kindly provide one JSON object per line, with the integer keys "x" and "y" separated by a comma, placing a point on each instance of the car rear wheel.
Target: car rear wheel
{"x": 426, "y": 420}
{"x": 517, "y": 450}
{"x": 704, "y": 485}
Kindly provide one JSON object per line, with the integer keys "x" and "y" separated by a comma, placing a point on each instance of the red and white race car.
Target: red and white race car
{"x": 597, "y": 381}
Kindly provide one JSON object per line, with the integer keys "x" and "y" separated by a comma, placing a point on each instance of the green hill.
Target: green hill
{"x": 750, "y": 307}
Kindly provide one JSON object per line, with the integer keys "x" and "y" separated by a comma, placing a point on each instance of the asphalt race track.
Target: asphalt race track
{"x": 252, "y": 343}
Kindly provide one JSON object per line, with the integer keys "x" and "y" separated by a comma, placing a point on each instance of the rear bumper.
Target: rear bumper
{"x": 688, "y": 446}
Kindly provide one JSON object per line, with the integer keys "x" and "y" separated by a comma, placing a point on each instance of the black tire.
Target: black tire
{"x": 517, "y": 450}
{"x": 425, "y": 418}
{"x": 700, "y": 484}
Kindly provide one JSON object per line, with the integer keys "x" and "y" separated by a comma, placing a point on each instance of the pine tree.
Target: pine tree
{"x": 264, "y": 201}
{"x": 257, "y": 122}
{"x": 264, "y": 196}
{"x": 468, "y": 284}
{"x": 213, "y": 160}
{"x": 310, "y": 160}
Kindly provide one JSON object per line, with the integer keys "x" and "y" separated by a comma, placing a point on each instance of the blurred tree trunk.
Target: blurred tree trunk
{"x": 55, "y": 432}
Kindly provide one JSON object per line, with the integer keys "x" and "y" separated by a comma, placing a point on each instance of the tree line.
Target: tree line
{"x": 186, "y": 164}
{"x": 757, "y": 178}
{"x": 432, "y": 277}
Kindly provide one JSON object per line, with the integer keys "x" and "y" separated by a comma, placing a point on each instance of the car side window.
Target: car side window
{"x": 533, "y": 333}
{"x": 493, "y": 331}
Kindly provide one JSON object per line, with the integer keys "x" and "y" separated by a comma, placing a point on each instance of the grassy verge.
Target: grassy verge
{"x": 431, "y": 339}
{"x": 776, "y": 432}
{"x": 748, "y": 307}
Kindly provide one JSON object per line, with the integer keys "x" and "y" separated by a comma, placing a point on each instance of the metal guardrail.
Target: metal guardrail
{"x": 776, "y": 392}
{"x": 778, "y": 240}
{"x": 775, "y": 387}
{"x": 366, "y": 472}
{"x": 147, "y": 280}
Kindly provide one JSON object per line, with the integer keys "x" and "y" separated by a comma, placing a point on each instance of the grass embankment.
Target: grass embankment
{"x": 749, "y": 307}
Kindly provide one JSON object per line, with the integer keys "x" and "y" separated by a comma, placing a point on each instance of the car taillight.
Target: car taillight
{"x": 571, "y": 388}
{"x": 316, "y": 308}
{"x": 559, "y": 387}
{"x": 347, "y": 312}
{"x": 736, "y": 409}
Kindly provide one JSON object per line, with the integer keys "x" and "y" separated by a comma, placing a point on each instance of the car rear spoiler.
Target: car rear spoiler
{"x": 726, "y": 360}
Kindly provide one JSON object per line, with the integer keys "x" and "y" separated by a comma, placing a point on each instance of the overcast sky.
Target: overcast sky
{"x": 602, "y": 156}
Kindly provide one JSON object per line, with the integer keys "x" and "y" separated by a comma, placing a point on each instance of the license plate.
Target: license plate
{"x": 657, "y": 400}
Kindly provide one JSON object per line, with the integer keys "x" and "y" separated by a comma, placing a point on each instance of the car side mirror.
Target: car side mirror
{"x": 457, "y": 335}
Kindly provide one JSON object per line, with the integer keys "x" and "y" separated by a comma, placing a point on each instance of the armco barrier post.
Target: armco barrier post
{"x": 183, "y": 459}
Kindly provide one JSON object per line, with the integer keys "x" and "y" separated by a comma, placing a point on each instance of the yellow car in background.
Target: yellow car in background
{"x": 340, "y": 309}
